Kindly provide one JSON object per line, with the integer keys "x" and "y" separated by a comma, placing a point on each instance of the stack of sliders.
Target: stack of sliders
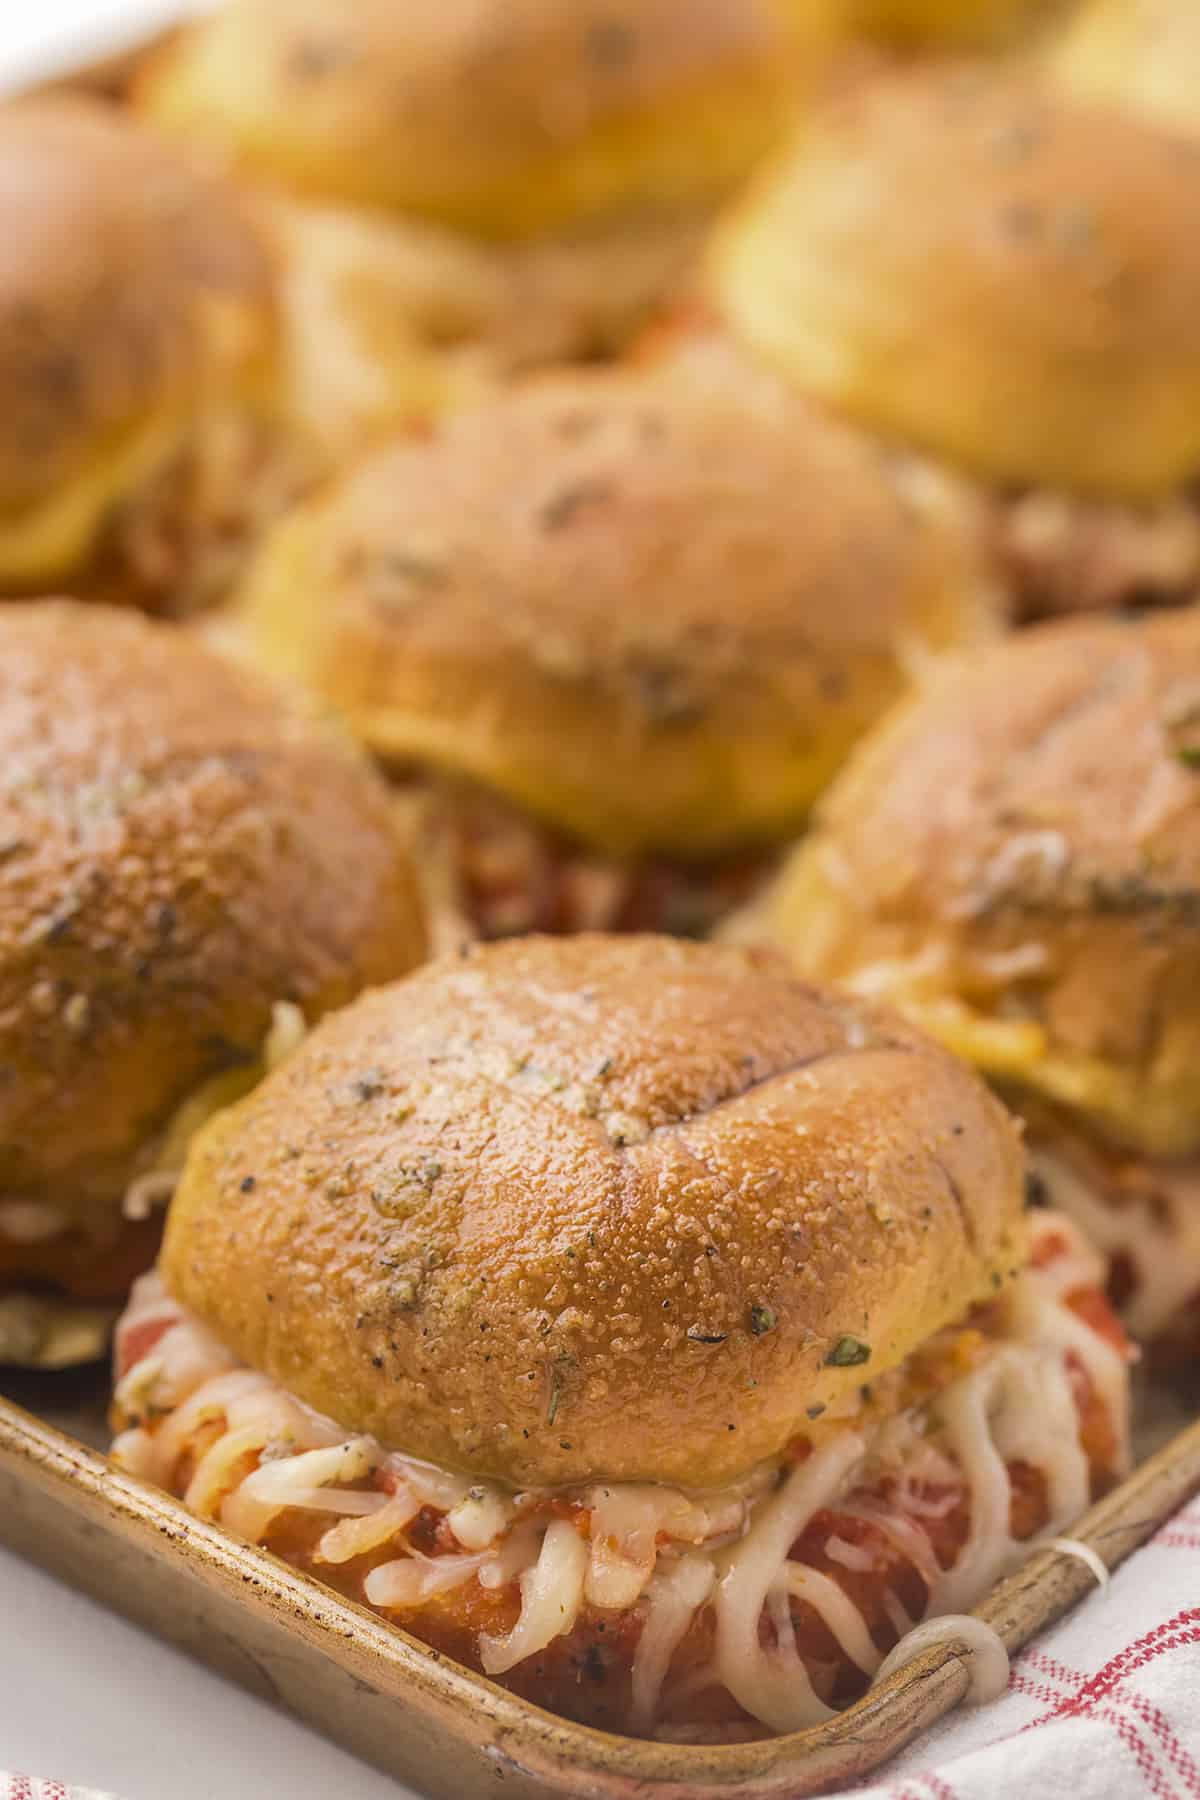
{"x": 632, "y": 1321}
{"x": 649, "y": 1329}
{"x": 1014, "y": 859}
{"x": 1002, "y": 284}
{"x": 608, "y": 654}
{"x": 174, "y": 842}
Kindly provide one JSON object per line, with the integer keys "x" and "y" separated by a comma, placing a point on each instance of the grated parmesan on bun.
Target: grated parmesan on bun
{"x": 176, "y": 836}
{"x": 1014, "y": 859}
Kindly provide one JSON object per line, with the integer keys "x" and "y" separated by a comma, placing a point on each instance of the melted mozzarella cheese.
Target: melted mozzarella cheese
{"x": 774, "y": 1686}
{"x": 674, "y": 1597}
{"x": 155, "y": 1186}
{"x": 1162, "y": 1240}
{"x": 658, "y": 1551}
{"x": 551, "y": 1596}
{"x": 987, "y": 1661}
{"x": 356, "y": 1537}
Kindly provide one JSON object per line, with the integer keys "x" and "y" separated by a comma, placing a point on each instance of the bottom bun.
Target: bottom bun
{"x": 699, "y": 1614}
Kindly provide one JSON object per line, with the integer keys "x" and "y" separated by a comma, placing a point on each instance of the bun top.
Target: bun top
{"x": 960, "y": 258}
{"x": 132, "y": 287}
{"x": 1145, "y": 54}
{"x": 502, "y": 119}
{"x": 961, "y": 24}
{"x": 175, "y": 842}
{"x": 1015, "y": 858}
{"x": 596, "y": 1207}
{"x": 658, "y": 622}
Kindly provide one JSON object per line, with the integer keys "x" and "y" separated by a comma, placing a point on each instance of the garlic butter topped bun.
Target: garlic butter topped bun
{"x": 588, "y": 141}
{"x": 1142, "y": 54}
{"x": 630, "y": 1320}
{"x": 181, "y": 359}
{"x": 136, "y": 317}
{"x": 1005, "y": 282}
{"x": 614, "y": 641}
{"x": 186, "y": 861}
{"x": 1014, "y": 859}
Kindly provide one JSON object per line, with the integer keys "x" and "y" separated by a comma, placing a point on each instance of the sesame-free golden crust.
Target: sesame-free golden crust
{"x": 564, "y": 1208}
{"x": 180, "y": 847}
{"x": 962, "y": 258}
{"x": 1024, "y": 840}
{"x": 657, "y": 621}
{"x": 502, "y": 119}
{"x": 131, "y": 285}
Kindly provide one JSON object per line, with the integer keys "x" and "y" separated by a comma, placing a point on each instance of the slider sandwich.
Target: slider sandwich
{"x": 548, "y": 167}
{"x": 631, "y": 1321}
{"x": 178, "y": 364}
{"x": 611, "y": 638}
{"x": 1013, "y": 858}
{"x": 190, "y": 868}
{"x": 137, "y": 446}
{"x": 1002, "y": 284}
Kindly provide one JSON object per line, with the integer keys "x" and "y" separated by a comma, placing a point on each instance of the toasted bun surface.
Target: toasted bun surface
{"x": 1144, "y": 54}
{"x": 958, "y": 257}
{"x": 658, "y": 624}
{"x": 565, "y": 1208}
{"x": 179, "y": 849}
{"x": 132, "y": 289}
{"x": 940, "y": 24}
{"x": 1015, "y": 857}
{"x": 502, "y": 119}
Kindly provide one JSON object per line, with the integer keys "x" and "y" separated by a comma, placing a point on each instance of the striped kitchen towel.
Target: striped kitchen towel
{"x": 1106, "y": 1706}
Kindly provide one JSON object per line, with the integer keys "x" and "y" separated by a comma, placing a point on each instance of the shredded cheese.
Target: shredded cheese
{"x": 673, "y": 1598}
{"x": 987, "y": 1657}
{"x": 154, "y": 1187}
{"x": 248, "y": 1451}
{"x": 411, "y": 1580}
{"x": 1091, "y": 1559}
{"x": 775, "y": 1686}
{"x": 551, "y": 1596}
{"x": 1160, "y": 1236}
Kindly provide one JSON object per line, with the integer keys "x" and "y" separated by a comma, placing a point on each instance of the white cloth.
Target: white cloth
{"x": 25, "y": 1787}
{"x": 1105, "y": 1706}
